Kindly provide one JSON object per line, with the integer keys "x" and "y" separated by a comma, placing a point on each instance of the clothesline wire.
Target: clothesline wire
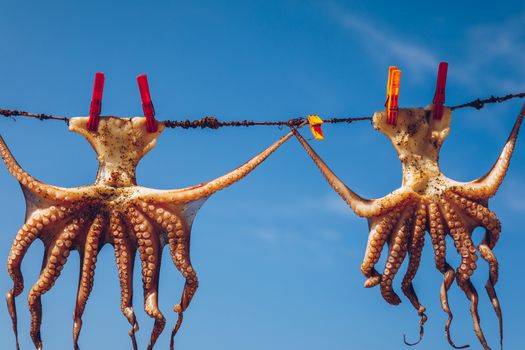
{"x": 214, "y": 123}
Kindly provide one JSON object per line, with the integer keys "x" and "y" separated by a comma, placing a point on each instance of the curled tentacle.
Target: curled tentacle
{"x": 486, "y": 218}
{"x": 414, "y": 251}
{"x": 438, "y": 234}
{"x": 467, "y": 250}
{"x": 178, "y": 240}
{"x": 180, "y": 253}
{"x": 378, "y": 236}
{"x": 487, "y": 185}
{"x": 125, "y": 256}
{"x": 24, "y": 238}
{"x": 398, "y": 250}
{"x": 206, "y": 189}
{"x": 482, "y": 215}
{"x": 34, "y": 186}
{"x": 88, "y": 253}
{"x": 487, "y": 255}
{"x": 361, "y": 206}
{"x": 150, "y": 255}
{"x": 53, "y": 263}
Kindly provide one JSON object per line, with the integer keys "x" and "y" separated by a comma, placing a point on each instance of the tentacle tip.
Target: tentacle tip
{"x": 462, "y": 346}
{"x": 177, "y": 308}
{"x": 414, "y": 343}
{"x": 394, "y": 300}
{"x": 372, "y": 281}
{"x": 458, "y": 346}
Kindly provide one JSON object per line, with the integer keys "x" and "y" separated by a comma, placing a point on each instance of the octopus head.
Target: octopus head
{"x": 416, "y": 133}
{"x": 120, "y": 143}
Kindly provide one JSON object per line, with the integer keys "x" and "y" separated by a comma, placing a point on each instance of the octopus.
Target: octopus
{"x": 113, "y": 210}
{"x": 428, "y": 201}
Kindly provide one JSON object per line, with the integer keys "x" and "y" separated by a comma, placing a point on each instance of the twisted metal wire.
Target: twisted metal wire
{"x": 214, "y": 123}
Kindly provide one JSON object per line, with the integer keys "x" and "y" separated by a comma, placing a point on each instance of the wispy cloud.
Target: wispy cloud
{"x": 386, "y": 46}
{"x": 500, "y": 45}
{"x": 491, "y": 54}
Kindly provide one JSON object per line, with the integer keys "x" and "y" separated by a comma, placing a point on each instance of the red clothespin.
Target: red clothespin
{"x": 392, "y": 94}
{"x": 439, "y": 96}
{"x": 147, "y": 105}
{"x": 96, "y": 102}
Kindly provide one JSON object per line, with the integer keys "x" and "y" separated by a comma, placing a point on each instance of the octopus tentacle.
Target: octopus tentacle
{"x": 53, "y": 265}
{"x": 35, "y": 186}
{"x": 487, "y": 185}
{"x": 397, "y": 252}
{"x": 487, "y": 255}
{"x": 88, "y": 253}
{"x": 467, "y": 250}
{"x": 150, "y": 255}
{"x": 481, "y": 214}
{"x": 438, "y": 234}
{"x": 206, "y": 189}
{"x": 180, "y": 253}
{"x": 379, "y": 233}
{"x": 361, "y": 206}
{"x": 125, "y": 257}
{"x": 415, "y": 249}
{"x": 24, "y": 238}
{"x": 486, "y": 218}
{"x": 178, "y": 240}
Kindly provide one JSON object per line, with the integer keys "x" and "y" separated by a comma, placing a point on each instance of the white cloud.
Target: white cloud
{"x": 492, "y": 55}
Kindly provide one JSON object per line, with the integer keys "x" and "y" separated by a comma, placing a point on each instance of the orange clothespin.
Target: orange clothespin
{"x": 96, "y": 102}
{"x": 439, "y": 95}
{"x": 315, "y": 126}
{"x": 147, "y": 105}
{"x": 392, "y": 94}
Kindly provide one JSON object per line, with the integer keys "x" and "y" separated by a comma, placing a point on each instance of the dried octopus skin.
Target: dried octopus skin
{"x": 492, "y": 225}
{"x": 397, "y": 252}
{"x": 481, "y": 214}
{"x": 125, "y": 258}
{"x": 452, "y": 207}
{"x": 362, "y": 207}
{"x": 415, "y": 251}
{"x": 50, "y": 273}
{"x": 36, "y": 187}
{"x": 150, "y": 254}
{"x": 467, "y": 250}
{"x": 88, "y": 254}
{"x": 206, "y": 189}
{"x": 438, "y": 236}
{"x": 113, "y": 202}
{"x": 178, "y": 241}
{"x": 379, "y": 234}
{"x": 487, "y": 185}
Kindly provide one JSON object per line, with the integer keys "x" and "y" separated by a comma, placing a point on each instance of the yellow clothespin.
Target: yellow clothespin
{"x": 315, "y": 126}
{"x": 392, "y": 94}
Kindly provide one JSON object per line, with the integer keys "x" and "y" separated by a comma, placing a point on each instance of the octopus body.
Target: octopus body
{"x": 113, "y": 210}
{"x": 428, "y": 201}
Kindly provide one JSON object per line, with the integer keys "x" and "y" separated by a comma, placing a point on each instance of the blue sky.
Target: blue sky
{"x": 278, "y": 254}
